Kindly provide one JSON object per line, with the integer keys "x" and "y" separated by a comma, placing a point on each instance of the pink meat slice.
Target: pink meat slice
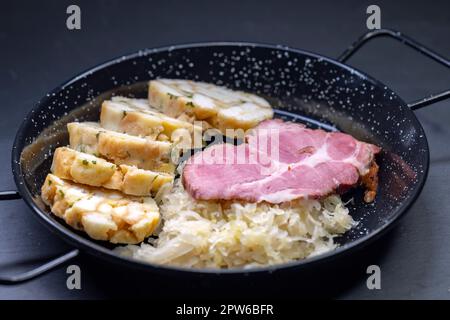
{"x": 280, "y": 162}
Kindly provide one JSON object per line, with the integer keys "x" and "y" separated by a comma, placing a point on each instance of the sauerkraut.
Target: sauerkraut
{"x": 206, "y": 234}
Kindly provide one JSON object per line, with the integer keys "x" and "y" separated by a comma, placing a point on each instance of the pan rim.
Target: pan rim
{"x": 97, "y": 250}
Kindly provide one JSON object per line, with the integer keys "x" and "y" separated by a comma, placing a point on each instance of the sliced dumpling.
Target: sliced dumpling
{"x": 220, "y": 107}
{"x": 102, "y": 214}
{"x": 144, "y": 153}
{"x": 136, "y": 117}
{"x": 94, "y": 171}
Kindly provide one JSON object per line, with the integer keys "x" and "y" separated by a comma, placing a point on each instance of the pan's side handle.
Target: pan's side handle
{"x": 412, "y": 44}
{"x": 40, "y": 270}
{"x": 9, "y": 195}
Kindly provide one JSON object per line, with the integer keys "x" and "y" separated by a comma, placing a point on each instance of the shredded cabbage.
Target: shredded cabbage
{"x": 206, "y": 234}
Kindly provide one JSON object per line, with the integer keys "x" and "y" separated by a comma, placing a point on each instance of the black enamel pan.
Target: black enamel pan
{"x": 302, "y": 86}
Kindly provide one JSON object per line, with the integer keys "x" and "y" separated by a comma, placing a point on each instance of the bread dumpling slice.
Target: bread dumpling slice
{"x": 94, "y": 171}
{"x": 102, "y": 214}
{"x": 119, "y": 148}
{"x": 220, "y": 107}
{"x": 136, "y": 117}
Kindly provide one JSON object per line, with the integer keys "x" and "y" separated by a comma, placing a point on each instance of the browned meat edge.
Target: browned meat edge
{"x": 370, "y": 182}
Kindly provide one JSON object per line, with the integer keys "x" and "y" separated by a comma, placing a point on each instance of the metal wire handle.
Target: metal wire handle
{"x": 39, "y": 270}
{"x": 9, "y": 195}
{"x": 412, "y": 44}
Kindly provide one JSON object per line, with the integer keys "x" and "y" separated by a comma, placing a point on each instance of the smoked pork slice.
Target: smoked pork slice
{"x": 281, "y": 162}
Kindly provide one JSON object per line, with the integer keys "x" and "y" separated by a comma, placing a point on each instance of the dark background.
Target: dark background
{"x": 38, "y": 52}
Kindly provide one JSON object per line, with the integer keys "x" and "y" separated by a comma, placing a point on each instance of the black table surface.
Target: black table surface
{"x": 38, "y": 52}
